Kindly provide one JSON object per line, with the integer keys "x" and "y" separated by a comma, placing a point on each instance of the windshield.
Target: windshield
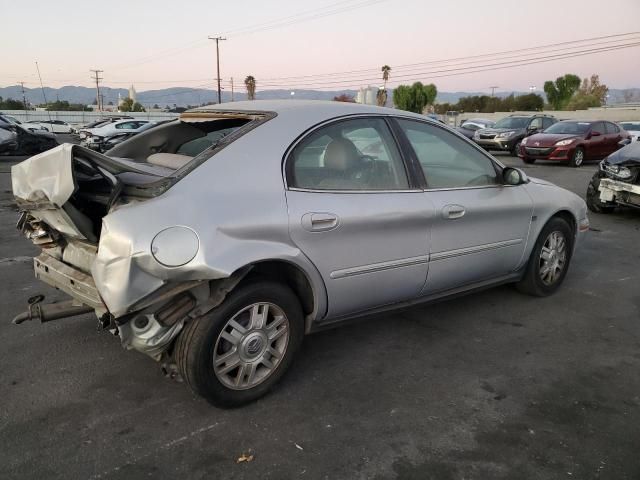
{"x": 572, "y": 128}
{"x": 512, "y": 122}
{"x": 630, "y": 125}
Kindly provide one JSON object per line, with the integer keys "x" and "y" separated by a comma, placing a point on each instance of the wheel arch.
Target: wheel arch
{"x": 312, "y": 296}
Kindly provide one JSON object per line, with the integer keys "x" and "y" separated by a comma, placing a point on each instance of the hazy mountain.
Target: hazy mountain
{"x": 183, "y": 96}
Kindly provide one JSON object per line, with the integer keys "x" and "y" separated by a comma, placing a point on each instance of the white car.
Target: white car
{"x": 633, "y": 129}
{"x": 121, "y": 126}
{"x": 53, "y": 126}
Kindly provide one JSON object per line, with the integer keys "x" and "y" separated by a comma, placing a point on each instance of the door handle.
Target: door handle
{"x": 451, "y": 212}
{"x": 319, "y": 222}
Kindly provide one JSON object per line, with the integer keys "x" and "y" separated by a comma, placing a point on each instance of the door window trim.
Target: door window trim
{"x": 497, "y": 166}
{"x": 288, "y": 163}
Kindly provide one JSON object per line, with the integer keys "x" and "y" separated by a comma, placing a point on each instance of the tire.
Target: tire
{"x": 593, "y": 197}
{"x": 515, "y": 149}
{"x": 205, "y": 341}
{"x": 577, "y": 159}
{"x": 533, "y": 282}
{"x": 529, "y": 161}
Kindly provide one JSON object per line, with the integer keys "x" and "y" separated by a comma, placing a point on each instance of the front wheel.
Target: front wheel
{"x": 577, "y": 159}
{"x": 236, "y": 353}
{"x": 515, "y": 149}
{"x": 593, "y": 197}
{"x": 549, "y": 260}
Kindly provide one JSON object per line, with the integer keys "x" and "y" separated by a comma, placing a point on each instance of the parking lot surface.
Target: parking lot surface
{"x": 494, "y": 385}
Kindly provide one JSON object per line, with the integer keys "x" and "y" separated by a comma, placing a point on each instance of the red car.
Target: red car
{"x": 573, "y": 141}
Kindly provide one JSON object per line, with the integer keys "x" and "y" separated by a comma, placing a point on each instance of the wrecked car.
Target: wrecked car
{"x": 617, "y": 181}
{"x": 213, "y": 243}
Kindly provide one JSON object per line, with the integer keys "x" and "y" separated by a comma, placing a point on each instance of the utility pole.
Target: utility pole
{"x": 218, "y": 39}
{"x": 24, "y": 100}
{"x": 232, "y": 89}
{"x": 97, "y": 78}
{"x": 43, "y": 94}
{"x": 493, "y": 90}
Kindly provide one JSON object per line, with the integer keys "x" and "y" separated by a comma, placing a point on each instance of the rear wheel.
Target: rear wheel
{"x": 577, "y": 159}
{"x": 593, "y": 197}
{"x": 549, "y": 260}
{"x": 236, "y": 353}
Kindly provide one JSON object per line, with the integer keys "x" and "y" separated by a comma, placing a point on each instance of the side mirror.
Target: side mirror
{"x": 514, "y": 176}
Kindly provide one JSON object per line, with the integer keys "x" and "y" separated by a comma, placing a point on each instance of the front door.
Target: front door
{"x": 355, "y": 214}
{"x": 480, "y": 227}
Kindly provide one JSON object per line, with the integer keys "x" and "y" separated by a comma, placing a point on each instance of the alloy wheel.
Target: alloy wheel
{"x": 553, "y": 258}
{"x": 251, "y": 345}
{"x": 578, "y": 157}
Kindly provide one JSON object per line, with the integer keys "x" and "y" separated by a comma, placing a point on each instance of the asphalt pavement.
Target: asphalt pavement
{"x": 494, "y": 385}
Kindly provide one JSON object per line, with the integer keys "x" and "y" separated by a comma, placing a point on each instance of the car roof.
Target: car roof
{"x": 300, "y": 106}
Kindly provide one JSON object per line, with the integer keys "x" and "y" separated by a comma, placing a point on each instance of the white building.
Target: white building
{"x": 367, "y": 95}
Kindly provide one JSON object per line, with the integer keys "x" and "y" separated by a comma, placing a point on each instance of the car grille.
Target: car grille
{"x": 538, "y": 151}
{"x": 487, "y": 136}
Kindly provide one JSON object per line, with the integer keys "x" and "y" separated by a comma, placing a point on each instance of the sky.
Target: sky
{"x": 159, "y": 44}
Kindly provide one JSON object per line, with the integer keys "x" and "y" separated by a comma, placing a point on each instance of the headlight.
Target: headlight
{"x": 563, "y": 143}
{"x": 524, "y": 141}
{"x": 622, "y": 173}
{"x": 505, "y": 134}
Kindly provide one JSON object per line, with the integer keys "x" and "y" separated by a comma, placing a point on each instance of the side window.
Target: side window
{"x": 446, "y": 160}
{"x": 471, "y": 126}
{"x": 536, "y": 123}
{"x": 547, "y": 122}
{"x": 358, "y": 154}
{"x": 611, "y": 128}
{"x": 198, "y": 145}
{"x": 598, "y": 127}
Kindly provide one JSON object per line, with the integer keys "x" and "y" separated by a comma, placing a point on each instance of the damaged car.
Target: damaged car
{"x": 617, "y": 181}
{"x": 214, "y": 242}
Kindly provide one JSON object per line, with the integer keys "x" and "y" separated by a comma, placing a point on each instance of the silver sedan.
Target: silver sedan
{"x": 215, "y": 242}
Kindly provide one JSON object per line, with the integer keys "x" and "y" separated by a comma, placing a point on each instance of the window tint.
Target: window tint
{"x": 536, "y": 123}
{"x": 598, "y": 127}
{"x": 471, "y": 126}
{"x": 611, "y": 128}
{"x": 547, "y": 122}
{"x": 358, "y": 154}
{"x": 194, "y": 147}
{"x": 448, "y": 161}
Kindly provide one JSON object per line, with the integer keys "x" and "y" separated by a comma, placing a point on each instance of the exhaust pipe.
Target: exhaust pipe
{"x": 50, "y": 312}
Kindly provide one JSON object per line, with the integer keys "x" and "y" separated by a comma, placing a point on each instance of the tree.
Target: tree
{"x": 593, "y": 87}
{"x": 128, "y": 105}
{"x": 529, "y": 103}
{"x": 560, "y": 92}
{"x": 11, "y": 104}
{"x": 343, "y": 97}
{"x": 250, "y": 83}
{"x": 381, "y": 95}
{"x": 414, "y": 98}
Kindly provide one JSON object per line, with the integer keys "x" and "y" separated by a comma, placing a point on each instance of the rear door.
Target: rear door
{"x": 480, "y": 227}
{"x": 356, "y": 213}
{"x": 597, "y": 146}
{"x": 614, "y": 135}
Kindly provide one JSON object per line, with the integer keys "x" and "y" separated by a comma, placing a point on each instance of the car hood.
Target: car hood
{"x": 39, "y": 133}
{"x": 548, "y": 139}
{"x": 629, "y": 155}
{"x": 499, "y": 130}
{"x": 540, "y": 181}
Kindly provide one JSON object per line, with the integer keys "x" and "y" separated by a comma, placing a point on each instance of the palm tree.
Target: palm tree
{"x": 381, "y": 97}
{"x": 250, "y": 83}
{"x": 385, "y": 74}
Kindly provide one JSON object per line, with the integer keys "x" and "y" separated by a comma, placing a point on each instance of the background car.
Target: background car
{"x": 109, "y": 128}
{"x": 508, "y": 132}
{"x": 573, "y": 141}
{"x": 295, "y": 216}
{"x": 469, "y": 127}
{"x": 107, "y": 142}
{"x": 632, "y": 128}
{"x": 617, "y": 181}
{"x": 54, "y": 126}
{"x": 16, "y": 140}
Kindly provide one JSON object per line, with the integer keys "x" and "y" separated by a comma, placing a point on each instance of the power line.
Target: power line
{"x": 430, "y": 73}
